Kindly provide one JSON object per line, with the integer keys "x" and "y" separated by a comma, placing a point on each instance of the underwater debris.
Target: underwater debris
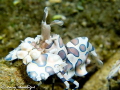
{"x": 15, "y": 2}
{"x": 114, "y": 72}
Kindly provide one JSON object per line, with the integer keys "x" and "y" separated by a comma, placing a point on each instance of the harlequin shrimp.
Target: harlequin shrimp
{"x": 46, "y": 55}
{"x": 114, "y": 72}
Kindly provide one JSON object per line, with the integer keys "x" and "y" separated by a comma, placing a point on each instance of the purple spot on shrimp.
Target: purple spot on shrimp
{"x": 82, "y": 48}
{"x": 44, "y": 56}
{"x": 41, "y": 62}
{"x": 60, "y": 42}
{"x": 75, "y": 41}
{"x": 62, "y": 54}
{"x": 48, "y": 46}
{"x": 49, "y": 70}
{"x": 32, "y": 75}
{"x": 79, "y": 62}
{"x": 73, "y": 51}
{"x": 78, "y": 71}
{"x": 69, "y": 66}
{"x": 63, "y": 72}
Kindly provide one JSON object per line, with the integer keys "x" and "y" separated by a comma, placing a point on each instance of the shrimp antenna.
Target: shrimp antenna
{"x": 45, "y": 14}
